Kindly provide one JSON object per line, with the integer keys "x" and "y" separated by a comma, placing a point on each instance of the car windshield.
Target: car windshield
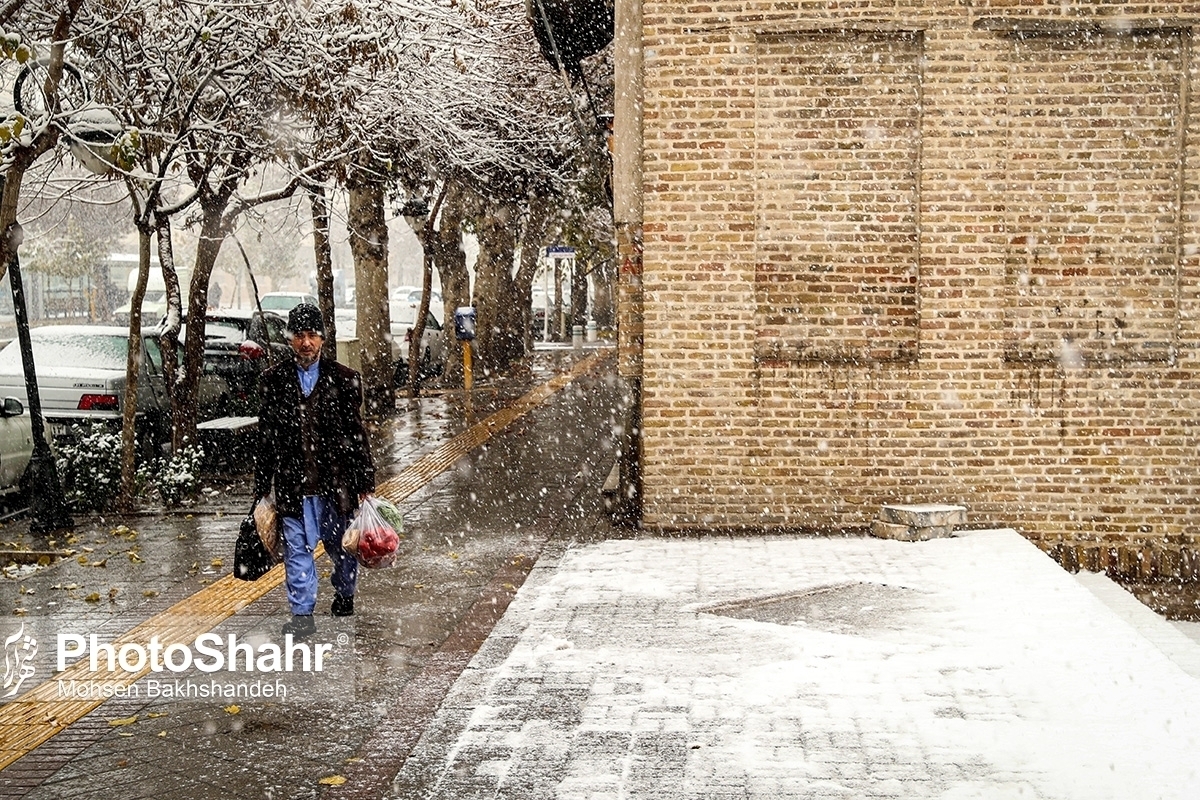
{"x": 70, "y": 349}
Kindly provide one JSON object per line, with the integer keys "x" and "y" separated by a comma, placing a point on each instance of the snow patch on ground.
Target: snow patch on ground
{"x": 1002, "y": 676}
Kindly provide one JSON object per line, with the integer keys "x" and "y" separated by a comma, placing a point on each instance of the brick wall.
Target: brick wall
{"x": 925, "y": 251}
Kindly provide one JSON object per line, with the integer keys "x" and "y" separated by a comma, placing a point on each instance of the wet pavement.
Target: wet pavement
{"x": 472, "y": 532}
{"x": 627, "y": 665}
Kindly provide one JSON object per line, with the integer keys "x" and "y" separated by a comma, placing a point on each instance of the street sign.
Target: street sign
{"x": 560, "y": 251}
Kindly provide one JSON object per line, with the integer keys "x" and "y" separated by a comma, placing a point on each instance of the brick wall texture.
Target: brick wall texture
{"x": 939, "y": 251}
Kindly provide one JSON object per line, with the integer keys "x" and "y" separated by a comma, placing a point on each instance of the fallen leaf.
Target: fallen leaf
{"x": 232, "y": 709}
{"x": 135, "y": 558}
{"x": 20, "y": 612}
{"x": 162, "y": 733}
{"x": 332, "y": 780}
{"x": 156, "y": 714}
{"x": 94, "y": 597}
{"x": 354, "y": 760}
{"x": 113, "y": 592}
{"x": 117, "y": 723}
{"x": 150, "y": 593}
{"x": 123, "y": 763}
{"x": 217, "y": 563}
{"x": 101, "y": 563}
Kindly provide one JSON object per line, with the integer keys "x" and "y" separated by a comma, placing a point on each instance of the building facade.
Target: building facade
{"x": 939, "y": 251}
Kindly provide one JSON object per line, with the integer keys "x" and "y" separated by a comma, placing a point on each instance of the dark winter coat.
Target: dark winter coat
{"x": 343, "y": 456}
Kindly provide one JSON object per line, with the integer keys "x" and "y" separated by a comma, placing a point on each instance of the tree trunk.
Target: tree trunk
{"x": 213, "y": 230}
{"x": 323, "y": 255}
{"x": 416, "y": 353}
{"x": 579, "y": 293}
{"x": 493, "y": 284}
{"x": 604, "y": 278}
{"x": 133, "y": 363}
{"x": 534, "y": 237}
{"x": 451, "y": 262}
{"x": 369, "y": 245}
{"x": 555, "y": 311}
{"x": 169, "y": 330}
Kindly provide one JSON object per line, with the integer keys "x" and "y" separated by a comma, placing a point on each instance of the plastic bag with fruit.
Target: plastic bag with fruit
{"x": 373, "y": 536}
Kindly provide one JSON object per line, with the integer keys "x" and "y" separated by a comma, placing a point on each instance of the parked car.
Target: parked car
{"x": 239, "y": 344}
{"x": 403, "y": 316}
{"x": 16, "y": 444}
{"x": 433, "y": 343}
{"x": 81, "y": 378}
{"x": 413, "y": 295}
{"x": 283, "y": 302}
{"x": 346, "y": 320}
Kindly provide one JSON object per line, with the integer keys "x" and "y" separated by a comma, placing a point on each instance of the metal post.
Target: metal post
{"x": 468, "y": 400}
{"x": 47, "y": 505}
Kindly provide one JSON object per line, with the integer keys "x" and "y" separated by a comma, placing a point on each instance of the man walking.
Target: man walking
{"x": 313, "y": 452}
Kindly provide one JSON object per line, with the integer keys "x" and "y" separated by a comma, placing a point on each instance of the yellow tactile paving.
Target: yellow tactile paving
{"x": 40, "y": 713}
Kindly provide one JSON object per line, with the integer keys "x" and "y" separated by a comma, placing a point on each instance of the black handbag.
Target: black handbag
{"x": 251, "y": 559}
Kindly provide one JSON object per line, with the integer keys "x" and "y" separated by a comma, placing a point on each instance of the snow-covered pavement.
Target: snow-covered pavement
{"x": 789, "y": 667}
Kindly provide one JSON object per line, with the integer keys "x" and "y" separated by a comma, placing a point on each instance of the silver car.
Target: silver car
{"x": 433, "y": 344}
{"x": 403, "y": 316}
{"x": 16, "y": 444}
{"x": 81, "y": 378}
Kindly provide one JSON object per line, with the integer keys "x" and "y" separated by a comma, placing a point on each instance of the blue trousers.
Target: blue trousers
{"x": 322, "y": 521}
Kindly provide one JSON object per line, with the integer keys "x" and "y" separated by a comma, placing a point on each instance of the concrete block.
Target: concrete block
{"x": 890, "y": 530}
{"x": 924, "y": 515}
{"x": 910, "y": 533}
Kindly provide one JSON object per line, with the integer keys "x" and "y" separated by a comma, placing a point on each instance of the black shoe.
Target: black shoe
{"x": 342, "y": 606}
{"x": 302, "y": 626}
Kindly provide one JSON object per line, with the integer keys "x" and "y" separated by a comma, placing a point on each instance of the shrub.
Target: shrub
{"x": 178, "y": 477}
{"x": 89, "y": 466}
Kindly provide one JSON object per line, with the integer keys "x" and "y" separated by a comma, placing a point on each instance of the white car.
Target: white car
{"x": 433, "y": 344}
{"x": 81, "y": 378}
{"x": 283, "y": 302}
{"x": 346, "y": 320}
{"x": 412, "y": 294}
{"x": 16, "y": 444}
{"x": 402, "y": 317}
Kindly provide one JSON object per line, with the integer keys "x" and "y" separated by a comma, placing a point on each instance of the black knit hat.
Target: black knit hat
{"x": 306, "y": 317}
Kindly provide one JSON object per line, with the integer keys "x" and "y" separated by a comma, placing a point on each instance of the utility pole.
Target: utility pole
{"x": 627, "y": 215}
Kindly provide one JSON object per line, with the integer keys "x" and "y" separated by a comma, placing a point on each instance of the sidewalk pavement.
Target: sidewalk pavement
{"x": 634, "y": 666}
{"x": 785, "y": 667}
